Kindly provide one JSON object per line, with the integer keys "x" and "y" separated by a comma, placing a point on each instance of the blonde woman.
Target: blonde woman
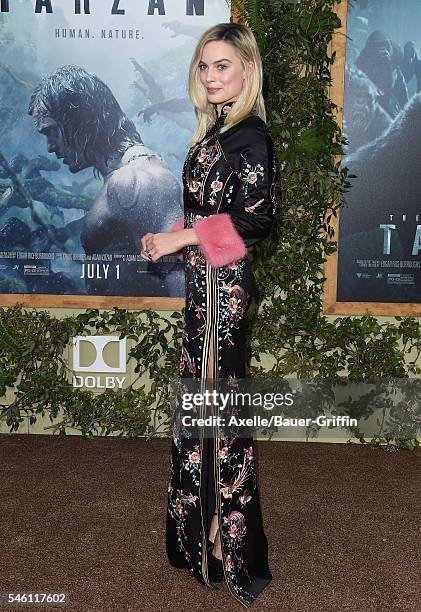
{"x": 214, "y": 522}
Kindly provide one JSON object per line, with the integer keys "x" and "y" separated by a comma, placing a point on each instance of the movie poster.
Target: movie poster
{"x": 379, "y": 255}
{"x": 95, "y": 124}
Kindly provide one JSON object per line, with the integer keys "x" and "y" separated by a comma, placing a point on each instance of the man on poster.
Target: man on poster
{"x": 85, "y": 126}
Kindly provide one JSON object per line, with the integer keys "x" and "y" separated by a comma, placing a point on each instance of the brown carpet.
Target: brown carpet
{"x": 87, "y": 517}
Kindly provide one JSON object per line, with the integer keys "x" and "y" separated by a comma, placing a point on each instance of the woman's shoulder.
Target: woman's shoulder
{"x": 249, "y": 133}
{"x": 254, "y": 121}
{"x": 249, "y": 123}
{"x": 250, "y": 129}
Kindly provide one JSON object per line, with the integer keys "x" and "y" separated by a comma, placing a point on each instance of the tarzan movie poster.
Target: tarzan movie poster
{"x": 95, "y": 124}
{"x": 379, "y": 254}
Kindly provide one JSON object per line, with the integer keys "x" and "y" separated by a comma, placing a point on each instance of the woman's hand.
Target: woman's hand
{"x": 155, "y": 246}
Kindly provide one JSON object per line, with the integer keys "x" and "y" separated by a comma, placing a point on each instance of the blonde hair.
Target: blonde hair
{"x": 250, "y": 100}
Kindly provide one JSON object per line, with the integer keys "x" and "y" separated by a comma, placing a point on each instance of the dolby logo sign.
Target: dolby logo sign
{"x": 90, "y": 368}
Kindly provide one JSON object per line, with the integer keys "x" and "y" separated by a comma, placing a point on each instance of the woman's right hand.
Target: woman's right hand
{"x": 155, "y": 246}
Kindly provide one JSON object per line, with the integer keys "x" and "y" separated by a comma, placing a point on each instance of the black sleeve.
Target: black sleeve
{"x": 253, "y": 207}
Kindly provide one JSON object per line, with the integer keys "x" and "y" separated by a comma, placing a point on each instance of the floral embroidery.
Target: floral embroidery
{"x": 233, "y": 533}
{"x": 216, "y": 186}
{"x": 194, "y": 186}
{"x": 237, "y": 483}
{"x": 245, "y": 498}
{"x": 226, "y": 109}
{"x": 178, "y": 504}
{"x": 273, "y": 188}
{"x": 228, "y": 193}
{"x": 249, "y": 176}
{"x": 179, "y": 429}
{"x": 196, "y": 173}
{"x": 211, "y": 185}
{"x": 233, "y": 299}
{"x": 202, "y": 155}
{"x": 186, "y": 360}
{"x": 250, "y": 173}
{"x": 192, "y": 464}
{"x": 252, "y": 207}
{"x": 252, "y": 177}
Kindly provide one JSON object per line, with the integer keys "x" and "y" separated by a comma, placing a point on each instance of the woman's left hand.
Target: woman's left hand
{"x": 155, "y": 246}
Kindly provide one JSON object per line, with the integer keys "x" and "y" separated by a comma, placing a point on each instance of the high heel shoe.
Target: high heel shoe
{"x": 215, "y": 569}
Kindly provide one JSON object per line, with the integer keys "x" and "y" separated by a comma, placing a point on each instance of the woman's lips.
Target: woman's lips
{"x": 212, "y": 89}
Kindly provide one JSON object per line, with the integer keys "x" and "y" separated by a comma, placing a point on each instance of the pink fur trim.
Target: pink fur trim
{"x": 176, "y": 227}
{"x": 219, "y": 240}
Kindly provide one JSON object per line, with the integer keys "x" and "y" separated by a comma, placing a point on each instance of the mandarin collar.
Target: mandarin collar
{"x": 225, "y": 109}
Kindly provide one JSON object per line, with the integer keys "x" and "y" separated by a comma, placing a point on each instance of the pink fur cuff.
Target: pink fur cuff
{"x": 219, "y": 240}
{"x": 176, "y": 227}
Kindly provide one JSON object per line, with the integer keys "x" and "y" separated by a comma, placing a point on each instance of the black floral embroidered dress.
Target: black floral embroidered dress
{"x": 229, "y": 197}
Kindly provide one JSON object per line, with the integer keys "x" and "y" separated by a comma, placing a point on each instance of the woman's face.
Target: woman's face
{"x": 221, "y": 72}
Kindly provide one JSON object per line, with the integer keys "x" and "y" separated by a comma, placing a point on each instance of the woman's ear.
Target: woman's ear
{"x": 251, "y": 65}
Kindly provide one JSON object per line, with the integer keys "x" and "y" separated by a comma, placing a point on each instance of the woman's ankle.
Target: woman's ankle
{"x": 216, "y": 550}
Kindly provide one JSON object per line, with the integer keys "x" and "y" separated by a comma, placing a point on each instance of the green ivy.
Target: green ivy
{"x": 290, "y": 327}
{"x": 33, "y": 365}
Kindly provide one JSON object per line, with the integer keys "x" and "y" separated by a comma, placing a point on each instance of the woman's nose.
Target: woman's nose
{"x": 210, "y": 76}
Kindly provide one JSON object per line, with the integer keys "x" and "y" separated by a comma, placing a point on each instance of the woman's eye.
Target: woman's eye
{"x": 220, "y": 66}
